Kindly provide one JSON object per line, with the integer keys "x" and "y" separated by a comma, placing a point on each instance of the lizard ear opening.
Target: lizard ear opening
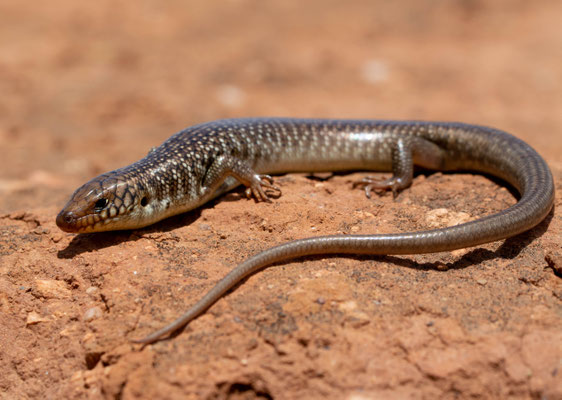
{"x": 144, "y": 201}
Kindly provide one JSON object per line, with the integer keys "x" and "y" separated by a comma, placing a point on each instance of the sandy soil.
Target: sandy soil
{"x": 91, "y": 86}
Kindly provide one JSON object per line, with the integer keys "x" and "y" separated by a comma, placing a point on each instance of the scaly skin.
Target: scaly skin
{"x": 204, "y": 161}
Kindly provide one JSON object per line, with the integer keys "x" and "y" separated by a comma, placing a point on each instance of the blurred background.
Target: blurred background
{"x": 90, "y": 86}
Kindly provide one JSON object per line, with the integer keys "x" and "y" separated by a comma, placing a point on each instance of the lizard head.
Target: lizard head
{"x": 111, "y": 201}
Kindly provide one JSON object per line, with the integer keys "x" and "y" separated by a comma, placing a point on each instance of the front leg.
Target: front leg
{"x": 224, "y": 166}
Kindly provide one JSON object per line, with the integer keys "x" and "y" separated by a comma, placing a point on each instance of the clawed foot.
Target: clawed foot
{"x": 260, "y": 186}
{"x": 379, "y": 185}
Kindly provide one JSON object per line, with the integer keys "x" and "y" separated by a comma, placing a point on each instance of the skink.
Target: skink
{"x": 206, "y": 160}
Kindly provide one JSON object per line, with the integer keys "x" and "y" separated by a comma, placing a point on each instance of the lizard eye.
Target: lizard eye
{"x": 100, "y": 204}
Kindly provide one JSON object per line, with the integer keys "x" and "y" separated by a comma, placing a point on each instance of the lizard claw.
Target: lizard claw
{"x": 378, "y": 185}
{"x": 259, "y": 188}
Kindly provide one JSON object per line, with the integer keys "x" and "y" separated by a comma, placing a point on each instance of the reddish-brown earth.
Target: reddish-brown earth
{"x": 87, "y": 87}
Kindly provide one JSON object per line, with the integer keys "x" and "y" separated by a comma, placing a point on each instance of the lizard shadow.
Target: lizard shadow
{"x": 88, "y": 242}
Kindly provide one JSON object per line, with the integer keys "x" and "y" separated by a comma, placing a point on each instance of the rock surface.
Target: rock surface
{"x": 89, "y": 87}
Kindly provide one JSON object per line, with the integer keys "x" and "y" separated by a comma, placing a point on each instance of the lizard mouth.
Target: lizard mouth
{"x": 68, "y": 221}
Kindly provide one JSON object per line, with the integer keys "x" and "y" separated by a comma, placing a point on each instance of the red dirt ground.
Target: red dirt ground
{"x": 91, "y": 86}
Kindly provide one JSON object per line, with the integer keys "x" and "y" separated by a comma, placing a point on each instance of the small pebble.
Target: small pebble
{"x": 51, "y": 289}
{"x": 34, "y": 318}
{"x": 40, "y": 230}
{"x": 92, "y": 313}
{"x": 554, "y": 261}
{"x": 442, "y": 266}
{"x": 204, "y": 227}
{"x": 92, "y": 290}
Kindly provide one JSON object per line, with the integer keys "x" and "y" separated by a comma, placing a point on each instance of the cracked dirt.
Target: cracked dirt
{"x": 90, "y": 87}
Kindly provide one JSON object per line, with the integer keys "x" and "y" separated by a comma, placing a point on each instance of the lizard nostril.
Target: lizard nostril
{"x": 66, "y": 220}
